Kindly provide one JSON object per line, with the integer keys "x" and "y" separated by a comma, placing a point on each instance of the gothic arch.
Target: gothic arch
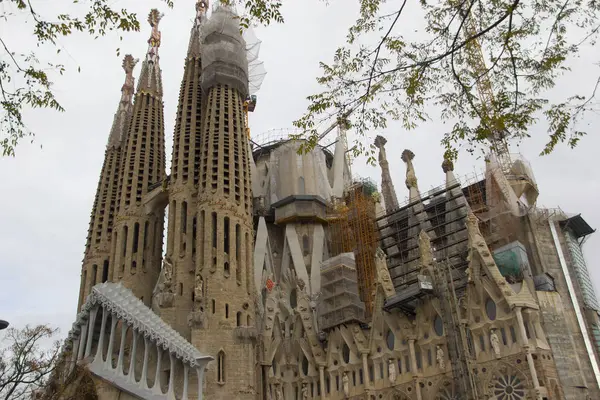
{"x": 397, "y": 394}
{"x": 446, "y": 390}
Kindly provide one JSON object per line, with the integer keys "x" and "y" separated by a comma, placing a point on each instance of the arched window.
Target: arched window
{"x": 390, "y": 340}
{"x": 249, "y": 320}
{"x": 133, "y": 267}
{"x": 105, "y": 271}
{"x": 94, "y": 273}
{"x": 221, "y": 367}
{"x": 226, "y": 310}
{"x": 226, "y": 269}
{"x": 136, "y": 234}
{"x": 124, "y": 240}
{"x": 238, "y": 318}
{"x": 226, "y": 235}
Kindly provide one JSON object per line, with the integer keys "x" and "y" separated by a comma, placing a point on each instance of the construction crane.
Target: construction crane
{"x": 499, "y": 145}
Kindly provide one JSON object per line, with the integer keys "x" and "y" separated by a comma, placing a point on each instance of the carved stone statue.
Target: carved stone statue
{"x": 391, "y": 370}
{"x": 495, "y": 342}
{"x": 305, "y": 391}
{"x": 346, "y": 384}
{"x": 167, "y": 271}
{"x": 439, "y": 355}
{"x": 301, "y": 284}
{"x": 278, "y": 392}
{"x": 198, "y": 288}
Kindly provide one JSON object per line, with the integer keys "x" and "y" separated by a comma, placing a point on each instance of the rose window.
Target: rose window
{"x": 509, "y": 387}
{"x": 447, "y": 393}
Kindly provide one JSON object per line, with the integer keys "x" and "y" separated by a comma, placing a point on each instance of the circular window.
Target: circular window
{"x": 346, "y": 353}
{"x": 438, "y": 325}
{"x": 509, "y": 387}
{"x": 390, "y": 339}
{"x": 490, "y": 309}
{"x": 305, "y": 365}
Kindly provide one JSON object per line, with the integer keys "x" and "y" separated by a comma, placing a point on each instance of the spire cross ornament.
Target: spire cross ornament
{"x": 129, "y": 64}
{"x": 201, "y": 8}
{"x": 154, "y": 19}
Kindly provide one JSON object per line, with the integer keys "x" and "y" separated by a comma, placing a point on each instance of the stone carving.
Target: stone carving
{"x": 447, "y": 165}
{"x": 278, "y": 392}
{"x": 164, "y": 290}
{"x": 346, "y": 384}
{"x": 425, "y": 250}
{"x": 439, "y": 355}
{"x": 495, "y": 342}
{"x": 167, "y": 271}
{"x": 305, "y": 392}
{"x": 129, "y": 64}
{"x": 383, "y": 274}
{"x": 197, "y": 319}
{"x": 153, "y": 19}
{"x": 411, "y": 177}
{"x": 391, "y": 370}
{"x": 198, "y": 288}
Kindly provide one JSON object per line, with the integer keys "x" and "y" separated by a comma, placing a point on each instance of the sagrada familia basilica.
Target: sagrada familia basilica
{"x": 285, "y": 277}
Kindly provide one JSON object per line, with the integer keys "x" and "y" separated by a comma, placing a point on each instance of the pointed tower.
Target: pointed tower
{"x": 387, "y": 186}
{"x": 96, "y": 261}
{"x": 137, "y": 237}
{"x": 183, "y": 186}
{"x": 224, "y": 289}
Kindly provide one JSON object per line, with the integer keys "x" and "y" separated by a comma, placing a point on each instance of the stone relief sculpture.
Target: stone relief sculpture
{"x": 305, "y": 391}
{"x": 346, "y": 384}
{"x": 198, "y": 288}
{"x": 391, "y": 370}
{"x": 495, "y": 342}
{"x": 278, "y": 392}
{"x": 164, "y": 290}
{"x": 439, "y": 355}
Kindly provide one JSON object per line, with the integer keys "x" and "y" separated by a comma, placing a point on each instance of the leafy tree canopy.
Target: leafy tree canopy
{"x": 487, "y": 66}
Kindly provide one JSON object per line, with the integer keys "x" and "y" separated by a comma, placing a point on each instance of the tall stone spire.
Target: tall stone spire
{"x": 224, "y": 310}
{"x": 137, "y": 240}
{"x": 96, "y": 261}
{"x": 387, "y": 187}
{"x": 182, "y": 243}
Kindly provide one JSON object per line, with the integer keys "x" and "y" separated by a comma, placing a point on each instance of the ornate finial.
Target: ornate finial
{"x": 154, "y": 19}
{"x": 380, "y": 141}
{"x": 129, "y": 64}
{"x": 411, "y": 177}
{"x": 407, "y": 155}
{"x": 425, "y": 249}
{"x": 201, "y": 8}
{"x": 447, "y": 165}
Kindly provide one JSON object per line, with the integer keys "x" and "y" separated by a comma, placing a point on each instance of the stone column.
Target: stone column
{"x": 527, "y": 350}
{"x": 322, "y": 381}
{"x": 413, "y": 366}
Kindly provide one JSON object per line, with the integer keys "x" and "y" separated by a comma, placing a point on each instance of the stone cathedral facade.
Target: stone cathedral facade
{"x": 285, "y": 277}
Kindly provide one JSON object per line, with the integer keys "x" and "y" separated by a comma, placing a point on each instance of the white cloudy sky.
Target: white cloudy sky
{"x": 47, "y": 194}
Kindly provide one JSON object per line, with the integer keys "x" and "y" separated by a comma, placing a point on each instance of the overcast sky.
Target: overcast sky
{"x": 47, "y": 194}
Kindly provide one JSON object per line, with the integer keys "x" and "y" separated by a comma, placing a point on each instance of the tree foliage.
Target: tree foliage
{"x": 484, "y": 67}
{"x": 33, "y": 367}
{"x": 26, "y": 81}
{"x": 25, "y": 364}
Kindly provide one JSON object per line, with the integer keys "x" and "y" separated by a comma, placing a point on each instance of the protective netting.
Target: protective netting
{"x": 229, "y": 57}
{"x": 256, "y": 68}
